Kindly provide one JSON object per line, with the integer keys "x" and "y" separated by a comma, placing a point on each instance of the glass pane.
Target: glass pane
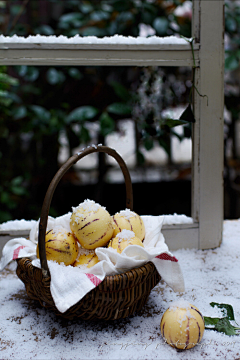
{"x": 52, "y": 113}
{"x": 96, "y": 18}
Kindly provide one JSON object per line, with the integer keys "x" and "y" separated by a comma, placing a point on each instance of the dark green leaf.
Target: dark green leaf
{"x": 22, "y": 70}
{"x": 86, "y": 8}
{"x": 4, "y": 133}
{"x": 165, "y": 146}
{"x": 75, "y": 73}
{"x": 14, "y": 97}
{"x": 107, "y": 124}
{"x": 226, "y": 309}
{"x": 71, "y": 20}
{"x": 5, "y": 216}
{"x": 4, "y": 197}
{"x": 120, "y": 90}
{"x": 5, "y": 99}
{"x": 44, "y": 29}
{"x": 147, "y": 18}
{"x": 31, "y": 89}
{"x": 17, "y": 181}
{"x": 93, "y": 31}
{"x": 55, "y": 76}
{"x": 106, "y": 7}
{"x": 73, "y": 32}
{"x": 84, "y": 134}
{"x": 73, "y": 138}
{"x": 19, "y": 112}
{"x": 120, "y": 5}
{"x": 187, "y": 115}
{"x": 148, "y": 143}
{"x": 231, "y": 62}
{"x": 16, "y": 9}
{"x": 9, "y": 80}
{"x": 149, "y": 7}
{"x": 70, "y": 17}
{"x": 224, "y": 326}
{"x": 210, "y": 320}
{"x": 160, "y": 24}
{"x": 119, "y": 109}
{"x": 18, "y": 190}
{"x": 140, "y": 158}
{"x": 172, "y": 122}
{"x": 221, "y": 325}
{"x": 124, "y": 17}
{"x": 82, "y": 113}
{"x": 187, "y": 131}
{"x": 180, "y": 137}
{"x": 31, "y": 74}
{"x": 4, "y": 94}
{"x": 40, "y": 112}
{"x": 230, "y": 24}
{"x": 100, "y": 15}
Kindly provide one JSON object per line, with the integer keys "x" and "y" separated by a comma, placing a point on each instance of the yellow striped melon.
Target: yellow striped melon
{"x": 61, "y": 246}
{"x": 182, "y": 325}
{"x": 91, "y": 224}
{"x": 124, "y": 239}
{"x": 129, "y": 220}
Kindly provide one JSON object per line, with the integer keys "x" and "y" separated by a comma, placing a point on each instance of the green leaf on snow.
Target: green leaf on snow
{"x": 227, "y": 309}
{"x": 222, "y": 325}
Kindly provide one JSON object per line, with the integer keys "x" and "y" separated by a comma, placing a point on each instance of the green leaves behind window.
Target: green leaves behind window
{"x": 81, "y": 114}
{"x": 161, "y": 24}
{"x": 55, "y": 76}
{"x": 119, "y": 109}
{"x": 107, "y": 124}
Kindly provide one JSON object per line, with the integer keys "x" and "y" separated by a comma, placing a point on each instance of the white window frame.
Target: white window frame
{"x": 207, "y": 157}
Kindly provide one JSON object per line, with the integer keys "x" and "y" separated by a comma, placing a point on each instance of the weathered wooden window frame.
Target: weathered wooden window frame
{"x": 207, "y": 157}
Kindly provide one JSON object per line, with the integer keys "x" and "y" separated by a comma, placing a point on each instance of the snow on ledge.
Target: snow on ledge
{"x": 176, "y": 219}
{"x": 13, "y": 225}
{"x": 16, "y": 225}
{"x": 116, "y": 39}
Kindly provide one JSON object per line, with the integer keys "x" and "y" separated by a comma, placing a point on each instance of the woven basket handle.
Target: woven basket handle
{"x": 49, "y": 194}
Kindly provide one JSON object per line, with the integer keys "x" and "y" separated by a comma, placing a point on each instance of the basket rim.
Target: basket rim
{"x": 148, "y": 267}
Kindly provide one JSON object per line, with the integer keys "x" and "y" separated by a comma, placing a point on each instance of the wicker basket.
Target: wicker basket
{"x": 117, "y": 296}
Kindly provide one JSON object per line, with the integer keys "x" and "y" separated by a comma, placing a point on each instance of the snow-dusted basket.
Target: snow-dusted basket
{"x": 117, "y": 296}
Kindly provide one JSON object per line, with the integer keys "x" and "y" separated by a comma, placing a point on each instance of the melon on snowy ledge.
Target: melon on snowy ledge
{"x": 90, "y": 50}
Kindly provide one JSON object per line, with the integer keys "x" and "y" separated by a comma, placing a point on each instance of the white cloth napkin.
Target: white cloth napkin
{"x": 70, "y": 284}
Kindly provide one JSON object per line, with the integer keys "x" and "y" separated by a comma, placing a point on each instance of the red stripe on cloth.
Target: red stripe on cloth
{"x": 16, "y": 252}
{"x": 167, "y": 257}
{"x": 94, "y": 279}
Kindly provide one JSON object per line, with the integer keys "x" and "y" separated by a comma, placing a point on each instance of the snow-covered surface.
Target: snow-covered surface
{"x": 14, "y": 225}
{"x": 28, "y": 331}
{"x": 176, "y": 219}
{"x": 116, "y": 39}
{"x": 17, "y": 225}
